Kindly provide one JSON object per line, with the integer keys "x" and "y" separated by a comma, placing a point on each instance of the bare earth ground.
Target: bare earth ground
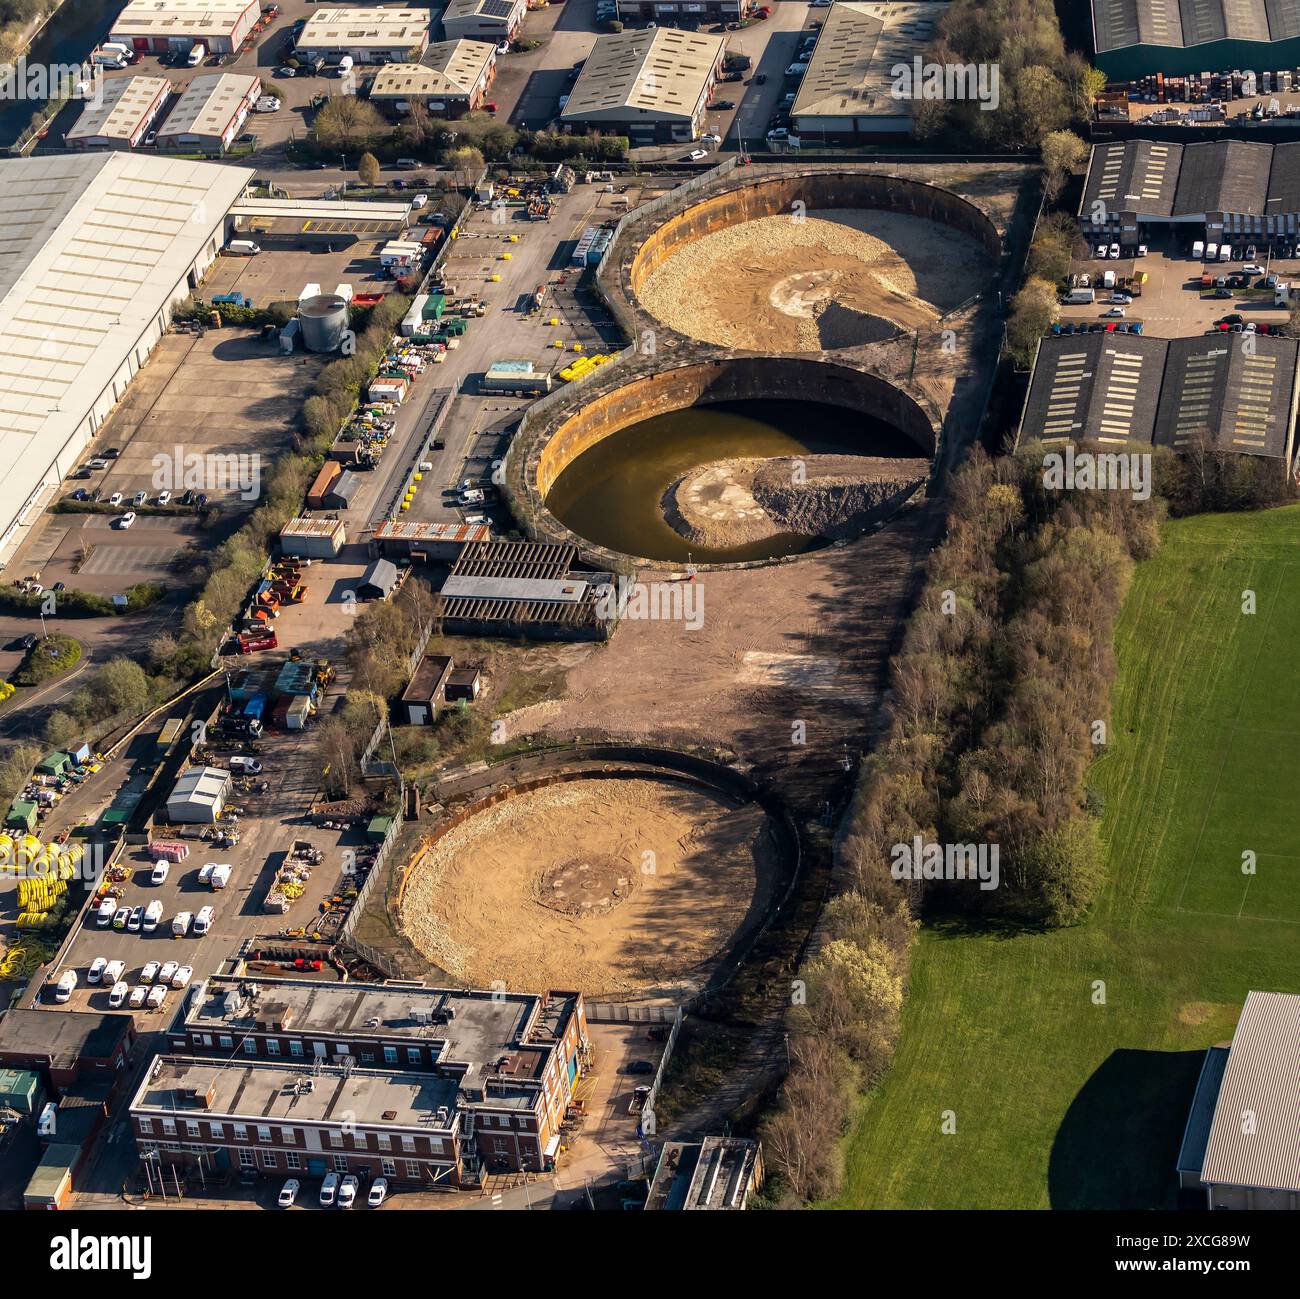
{"x": 823, "y": 281}
{"x": 500, "y": 899}
{"x": 806, "y": 642}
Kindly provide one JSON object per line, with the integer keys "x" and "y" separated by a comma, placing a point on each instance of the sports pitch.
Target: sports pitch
{"x": 1066, "y": 1061}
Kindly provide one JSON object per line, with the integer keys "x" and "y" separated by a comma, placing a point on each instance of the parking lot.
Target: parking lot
{"x": 1173, "y": 303}
{"x": 269, "y": 825}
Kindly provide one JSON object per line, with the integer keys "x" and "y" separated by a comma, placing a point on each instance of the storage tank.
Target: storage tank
{"x": 324, "y": 321}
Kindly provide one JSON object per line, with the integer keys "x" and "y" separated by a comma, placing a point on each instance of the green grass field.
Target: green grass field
{"x": 1060, "y": 1100}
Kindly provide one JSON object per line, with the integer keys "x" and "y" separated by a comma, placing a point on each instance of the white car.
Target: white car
{"x": 477, "y": 520}
{"x": 136, "y": 999}
{"x": 1253, "y": 268}
{"x": 182, "y": 976}
{"x": 107, "y": 910}
{"x": 1115, "y": 313}
{"x": 149, "y": 973}
{"x": 115, "y": 500}
{"x": 127, "y": 519}
{"x": 348, "y": 1191}
{"x": 503, "y": 47}
{"x": 168, "y": 969}
{"x": 160, "y": 872}
{"x": 696, "y": 154}
{"x": 1114, "y": 251}
{"x": 241, "y": 762}
{"x": 329, "y": 1188}
{"x": 157, "y": 995}
{"x": 419, "y": 200}
{"x": 118, "y": 995}
{"x": 97, "y": 968}
{"x": 288, "y": 1193}
{"x": 267, "y": 104}
{"x": 378, "y": 1192}
{"x": 142, "y": 498}
{"x": 164, "y": 498}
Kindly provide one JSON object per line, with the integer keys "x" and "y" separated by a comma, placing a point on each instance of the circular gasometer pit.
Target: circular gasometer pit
{"x": 814, "y": 262}
{"x": 668, "y": 874}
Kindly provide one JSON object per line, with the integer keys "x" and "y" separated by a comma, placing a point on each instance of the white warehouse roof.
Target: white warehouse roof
{"x": 359, "y": 29}
{"x": 199, "y": 794}
{"x": 126, "y": 103}
{"x": 187, "y": 18}
{"x": 656, "y": 74}
{"x": 209, "y": 104}
{"x": 448, "y": 69}
{"x": 92, "y": 249}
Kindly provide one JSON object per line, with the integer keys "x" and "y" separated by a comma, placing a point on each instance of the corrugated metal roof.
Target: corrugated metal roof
{"x": 209, "y": 105}
{"x": 450, "y": 69}
{"x": 1224, "y": 176}
{"x": 654, "y": 75}
{"x": 190, "y": 18}
{"x": 851, "y": 70}
{"x": 92, "y": 248}
{"x": 1178, "y": 24}
{"x": 1139, "y": 176}
{"x": 1255, "y": 1140}
{"x": 347, "y": 29}
{"x": 127, "y": 103}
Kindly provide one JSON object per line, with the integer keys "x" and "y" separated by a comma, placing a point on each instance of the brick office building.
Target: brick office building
{"x": 503, "y": 1066}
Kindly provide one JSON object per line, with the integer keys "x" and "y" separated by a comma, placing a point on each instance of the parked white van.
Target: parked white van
{"x": 152, "y": 915}
{"x": 114, "y": 971}
{"x": 1198, "y": 250}
{"x": 242, "y": 248}
{"x": 181, "y": 924}
{"x": 1076, "y": 297}
{"x": 66, "y": 986}
{"x": 220, "y": 876}
{"x": 203, "y": 921}
{"x": 1211, "y": 252}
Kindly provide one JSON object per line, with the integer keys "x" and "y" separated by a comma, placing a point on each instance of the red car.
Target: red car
{"x": 490, "y": 106}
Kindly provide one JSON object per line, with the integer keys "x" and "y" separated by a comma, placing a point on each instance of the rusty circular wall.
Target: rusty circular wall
{"x": 816, "y": 190}
{"x": 544, "y": 447}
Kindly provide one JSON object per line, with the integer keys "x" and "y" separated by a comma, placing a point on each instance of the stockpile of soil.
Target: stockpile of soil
{"x": 822, "y": 280}
{"x": 503, "y": 896}
{"x": 732, "y": 502}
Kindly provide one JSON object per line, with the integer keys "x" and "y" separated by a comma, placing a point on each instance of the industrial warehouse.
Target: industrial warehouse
{"x": 162, "y": 26}
{"x": 1135, "y": 38}
{"x": 210, "y": 114}
{"x": 1143, "y": 188}
{"x": 848, "y": 92}
{"x": 652, "y": 86}
{"x": 129, "y": 108}
{"x": 71, "y": 364}
{"x": 449, "y": 81}
{"x": 1132, "y": 391}
{"x": 365, "y": 35}
{"x": 483, "y": 20}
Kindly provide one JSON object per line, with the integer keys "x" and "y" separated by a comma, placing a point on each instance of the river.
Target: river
{"x": 69, "y": 37}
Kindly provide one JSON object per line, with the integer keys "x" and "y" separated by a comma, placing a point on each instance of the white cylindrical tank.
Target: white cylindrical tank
{"x": 324, "y": 320}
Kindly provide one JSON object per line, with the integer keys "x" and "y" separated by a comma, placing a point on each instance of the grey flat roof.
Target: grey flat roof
{"x": 1262, "y": 1078}
{"x": 260, "y": 1092}
{"x": 541, "y": 590}
{"x": 714, "y": 1173}
{"x": 1224, "y": 176}
{"x": 485, "y": 1025}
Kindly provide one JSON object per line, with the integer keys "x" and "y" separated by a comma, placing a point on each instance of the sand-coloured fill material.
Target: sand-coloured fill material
{"x": 828, "y": 279}
{"x": 611, "y": 886}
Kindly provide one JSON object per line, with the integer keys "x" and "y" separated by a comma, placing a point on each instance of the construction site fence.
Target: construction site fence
{"x": 363, "y": 893}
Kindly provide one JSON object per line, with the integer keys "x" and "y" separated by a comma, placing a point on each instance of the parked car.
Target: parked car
{"x": 182, "y": 976}
{"x": 97, "y": 968}
{"x": 639, "y": 1066}
{"x": 157, "y": 996}
{"x": 329, "y": 1190}
{"x": 285, "y": 72}
{"x": 1114, "y": 251}
{"x": 142, "y": 498}
{"x": 723, "y": 104}
{"x": 153, "y": 913}
{"x": 348, "y": 1191}
{"x": 243, "y": 763}
{"x": 203, "y": 920}
{"x": 167, "y": 969}
{"x": 127, "y": 519}
{"x": 696, "y": 154}
{"x": 160, "y": 872}
{"x": 122, "y": 916}
{"x": 107, "y": 910}
{"x": 135, "y": 919}
{"x": 164, "y": 498}
{"x": 288, "y": 1193}
{"x": 378, "y": 1192}
{"x": 115, "y": 500}
{"x": 66, "y": 986}
{"x": 117, "y": 995}
{"x": 80, "y": 494}
{"x": 1115, "y": 313}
